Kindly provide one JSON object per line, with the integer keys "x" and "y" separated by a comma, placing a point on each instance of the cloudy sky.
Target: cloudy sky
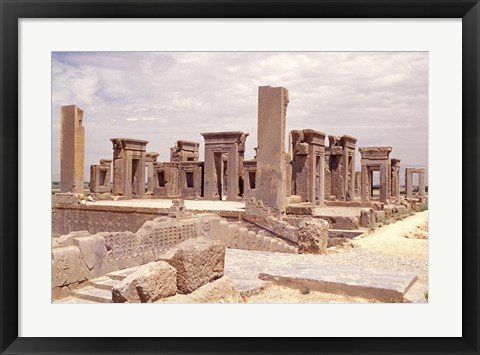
{"x": 381, "y": 98}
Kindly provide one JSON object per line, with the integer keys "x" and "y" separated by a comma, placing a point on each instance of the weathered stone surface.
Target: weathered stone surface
{"x": 148, "y": 284}
{"x": 94, "y": 251}
{"x": 222, "y": 290}
{"x": 72, "y": 149}
{"x": 367, "y": 218}
{"x": 380, "y": 217}
{"x": 68, "y": 266}
{"x": 271, "y": 180}
{"x": 197, "y": 261}
{"x": 65, "y": 198}
{"x": 313, "y": 236}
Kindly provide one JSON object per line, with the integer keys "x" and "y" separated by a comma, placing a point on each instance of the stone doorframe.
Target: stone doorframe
{"x": 375, "y": 159}
{"x": 409, "y": 181}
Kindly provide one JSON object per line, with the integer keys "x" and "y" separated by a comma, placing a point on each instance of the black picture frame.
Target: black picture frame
{"x": 12, "y": 10}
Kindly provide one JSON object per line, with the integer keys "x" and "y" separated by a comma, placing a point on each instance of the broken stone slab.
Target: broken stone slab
{"x": 222, "y": 290}
{"x": 383, "y": 285}
{"x": 67, "y": 240}
{"x": 65, "y": 198}
{"x": 93, "y": 250}
{"x": 197, "y": 261}
{"x": 147, "y": 284}
{"x": 313, "y": 236}
{"x": 68, "y": 266}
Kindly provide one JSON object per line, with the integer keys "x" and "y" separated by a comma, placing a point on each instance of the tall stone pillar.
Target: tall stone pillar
{"x": 421, "y": 183}
{"x": 72, "y": 149}
{"x": 408, "y": 183}
{"x": 365, "y": 184}
{"x": 271, "y": 170}
{"x": 395, "y": 169}
{"x": 150, "y": 158}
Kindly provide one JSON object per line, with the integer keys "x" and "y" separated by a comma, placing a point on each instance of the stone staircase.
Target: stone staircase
{"x": 99, "y": 290}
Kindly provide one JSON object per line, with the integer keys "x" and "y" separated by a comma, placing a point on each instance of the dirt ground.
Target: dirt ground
{"x": 401, "y": 246}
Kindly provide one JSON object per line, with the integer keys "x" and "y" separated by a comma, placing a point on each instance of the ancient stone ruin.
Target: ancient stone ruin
{"x": 301, "y": 198}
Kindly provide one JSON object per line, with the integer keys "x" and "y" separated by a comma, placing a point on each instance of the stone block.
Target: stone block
{"x": 68, "y": 266}
{"x": 367, "y": 218}
{"x": 273, "y": 245}
{"x": 223, "y": 232}
{"x": 313, "y": 236}
{"x": 380, "y": 217}
{"x": 65, "y": 198}
{"x": 197, "y": 261}
{"x": 233, "y": 232}
{"x": 243, "y": 236}
{"x": 148, "y": 284}
{"x": 93, "y": 251}
{"x": 252, "y": 243}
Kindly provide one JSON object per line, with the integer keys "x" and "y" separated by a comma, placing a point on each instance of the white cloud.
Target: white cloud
{"x": 380, "y": 98}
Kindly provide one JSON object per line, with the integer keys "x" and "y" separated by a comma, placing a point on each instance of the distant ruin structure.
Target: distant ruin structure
{"x": 129, "y": 158}
{"x": 308, "y": 150}
{"x": 409, "y": 181}
{"x": 341, "y": 154}
{"x": 72, "y": 149}
{"x": 375, "y": 159}
{"x": 223, "y": 165}
{"x": 100, "y": 177}
{"x": 184, "y": 151}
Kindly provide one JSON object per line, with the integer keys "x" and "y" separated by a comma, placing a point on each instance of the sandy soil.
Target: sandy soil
{"x": 405, "y": 238}
{"x": 401, "y": 246}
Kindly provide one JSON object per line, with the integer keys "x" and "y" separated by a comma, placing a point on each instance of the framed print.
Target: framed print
{"x": 301, "y": 175}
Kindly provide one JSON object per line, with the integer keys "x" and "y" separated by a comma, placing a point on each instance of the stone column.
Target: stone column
{"x": 232, "y": 187}
{"x": 421, "y": 183}
{"x": 384, "y": 182}
{"x": 358, "y": 182}
{"x": 151, "y": 158}
{"x": 321, "y": 181}
{"x": 209, "y": 172}
{"x": 352, "y": 178}
{"x": 365, "y": 184}
{"x": 271, "y": 170}
{"x": 408, "y": 183}
{"x": 72, "y": 149}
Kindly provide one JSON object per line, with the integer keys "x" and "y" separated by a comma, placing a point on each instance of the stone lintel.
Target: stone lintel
{"x": 187, "y": 164}
{"x": 165, "y": 164}
{"x": 106, "y": 162}
{"x": 129, "y": 144}
{"x": 415, "y": 170}
{"x": 232, "y": 137}
{"x": 375, "y": 153}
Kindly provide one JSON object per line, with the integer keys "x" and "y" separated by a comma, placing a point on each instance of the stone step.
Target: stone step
{"x": 121, "y": 274}
{"x": 104, "y": 283}
{"x": 73, "y": 300}
{"x": 346, "y": 233}
{"x": 93, "y": 294}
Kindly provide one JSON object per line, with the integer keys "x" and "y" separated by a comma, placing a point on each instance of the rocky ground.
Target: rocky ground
{"x": 401, "y": 246}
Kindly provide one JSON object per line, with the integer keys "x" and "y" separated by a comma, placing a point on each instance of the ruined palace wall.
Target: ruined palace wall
{"x": 103, "y": 219}
{"x": 80, "y": 256}
{"x": 94, "y": 219}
